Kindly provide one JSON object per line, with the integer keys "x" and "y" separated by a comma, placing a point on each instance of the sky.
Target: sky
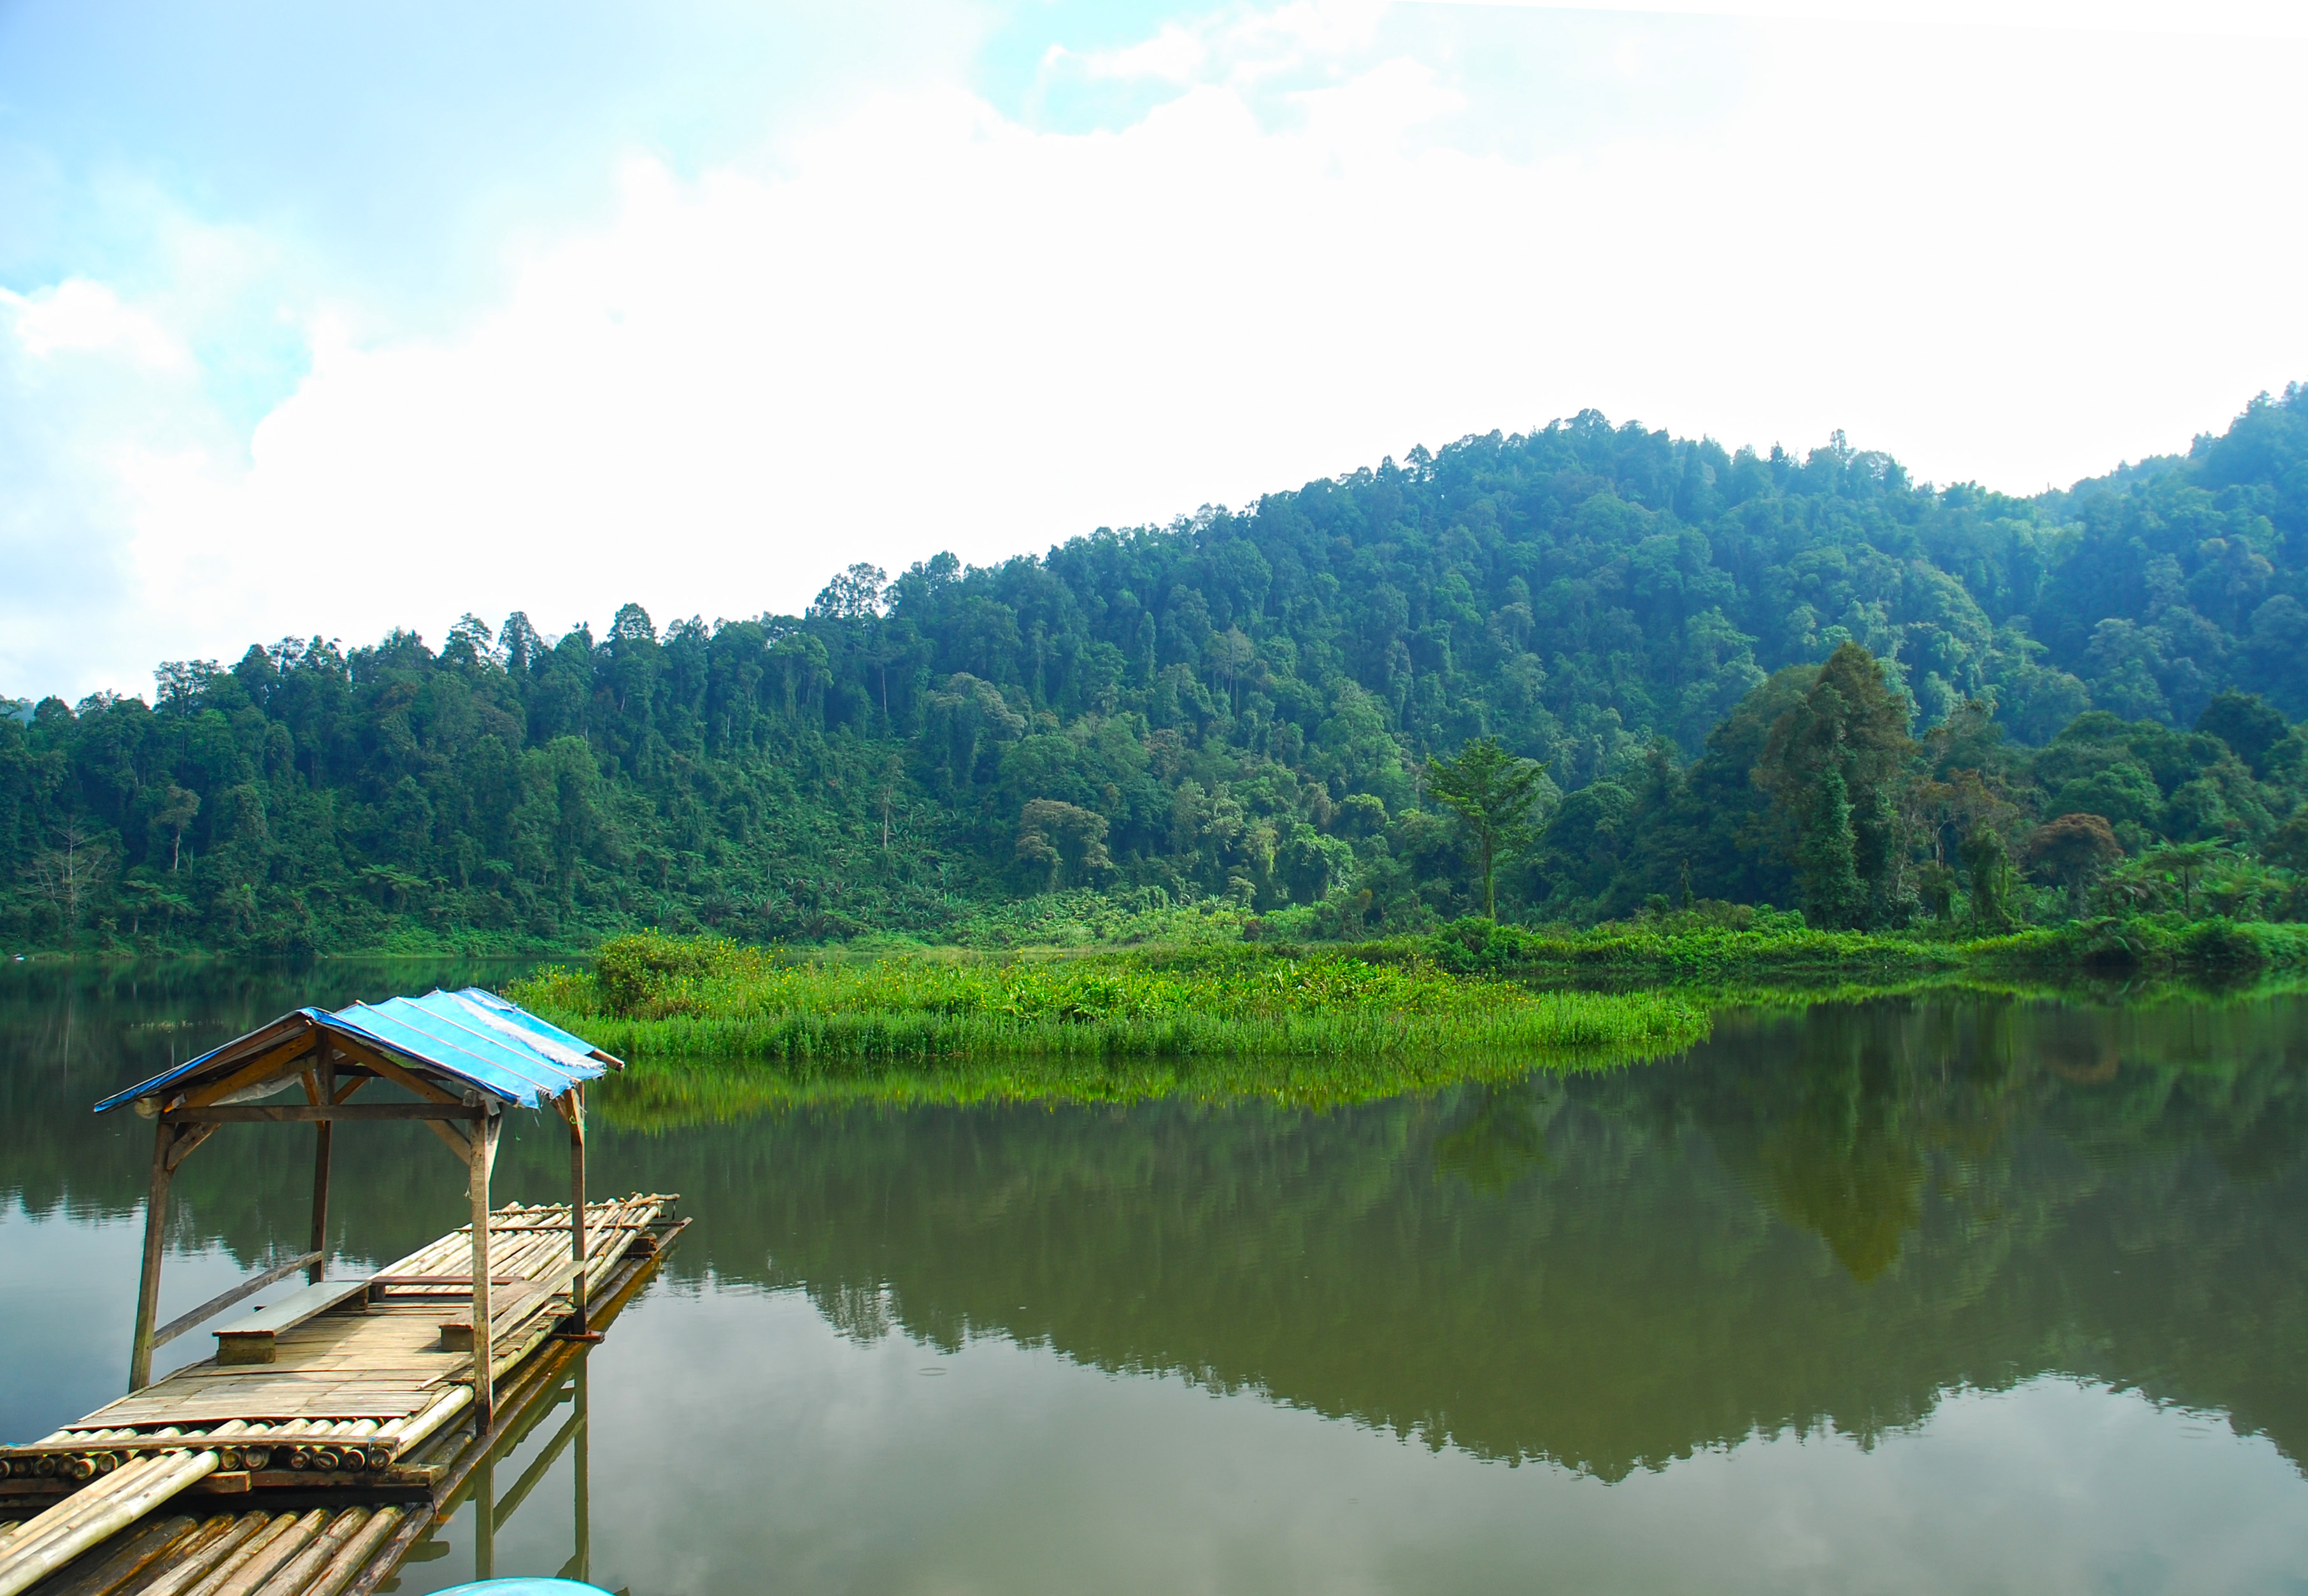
{"x": 329, "y": 320}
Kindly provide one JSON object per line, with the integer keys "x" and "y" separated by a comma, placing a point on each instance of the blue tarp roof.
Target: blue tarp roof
{"x": 470, "y": 1037}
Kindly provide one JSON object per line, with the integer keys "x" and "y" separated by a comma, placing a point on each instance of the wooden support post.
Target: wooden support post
{"x": 326, "y": 1091}
{"x": 485, "y": 1147}
{"x": 148, "y": 1286}
{"x": 485, "y": 1522}
{"x": 584, "y": 1478}
{"x": 574, "y": 1111}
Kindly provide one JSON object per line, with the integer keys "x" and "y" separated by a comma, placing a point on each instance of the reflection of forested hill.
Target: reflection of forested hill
{"x": 1826, "y": 1217}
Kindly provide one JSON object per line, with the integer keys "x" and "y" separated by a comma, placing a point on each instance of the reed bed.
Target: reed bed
{"x": 662, "y": 999}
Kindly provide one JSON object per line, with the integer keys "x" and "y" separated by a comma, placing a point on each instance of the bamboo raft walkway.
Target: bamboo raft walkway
{"x": 330, "y": 1430}
{"x": 357, "y": 1439}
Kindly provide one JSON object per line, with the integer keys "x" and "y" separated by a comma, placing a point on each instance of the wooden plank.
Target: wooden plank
{"x": 215, "y": 1406}
{"x": 253, "y": 1337}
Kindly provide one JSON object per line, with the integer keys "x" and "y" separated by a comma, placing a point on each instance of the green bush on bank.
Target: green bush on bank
{"x": 1719, "y": 943}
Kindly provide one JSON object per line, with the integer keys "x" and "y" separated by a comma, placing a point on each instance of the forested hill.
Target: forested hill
{"x": 1230, "y": 706}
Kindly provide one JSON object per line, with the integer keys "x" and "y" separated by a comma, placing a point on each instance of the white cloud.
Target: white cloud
{"x": 79, "y": 317}
{"x": 933, "y": 326}
{"x": 1176, "y": 55}
{"x": 2220, "y": 18}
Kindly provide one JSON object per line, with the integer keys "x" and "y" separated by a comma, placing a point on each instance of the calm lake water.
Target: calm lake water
{"x": 1957, "y": 1294}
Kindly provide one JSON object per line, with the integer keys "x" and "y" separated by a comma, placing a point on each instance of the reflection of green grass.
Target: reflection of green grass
{"x": 1222, "y": 1021}
{"x": 656, "y": 1094}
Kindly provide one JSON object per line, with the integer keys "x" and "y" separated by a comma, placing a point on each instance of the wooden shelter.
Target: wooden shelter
{"x": 464, "y": 1056}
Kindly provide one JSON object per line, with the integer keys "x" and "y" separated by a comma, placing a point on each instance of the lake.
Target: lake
{"x": 1958, "y": 1292}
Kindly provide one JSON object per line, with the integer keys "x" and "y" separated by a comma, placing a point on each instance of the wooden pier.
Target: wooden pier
{"x": 315, "y": 1474}
{"x": 329, "y": 1430}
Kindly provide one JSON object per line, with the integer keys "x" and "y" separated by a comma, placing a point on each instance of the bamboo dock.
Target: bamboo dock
{"x": 317, "y": 1473}
{"x": 331, "y": 1428}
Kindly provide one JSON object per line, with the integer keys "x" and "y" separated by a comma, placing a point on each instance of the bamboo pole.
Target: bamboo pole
{"x": 270, "y": 1527}
{"x": 347, "y": 1564}
{"x": 61, "y": 1519}
{"x": 139, "y": 1553}
{"x": 147, "y": 1284}
{"x": 318, "y": 1553}
{"x": 275, "y": 1551}
{"x": 25, "y": 1561}
{"x": 202, "y": 1560}
{"x": 417, "y": 1431}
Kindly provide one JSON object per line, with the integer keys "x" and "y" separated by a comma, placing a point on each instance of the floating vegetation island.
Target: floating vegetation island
{"x": 1329, "y": 1025}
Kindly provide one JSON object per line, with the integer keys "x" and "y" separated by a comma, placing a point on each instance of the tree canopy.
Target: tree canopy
{"x": 1244, "y": 699}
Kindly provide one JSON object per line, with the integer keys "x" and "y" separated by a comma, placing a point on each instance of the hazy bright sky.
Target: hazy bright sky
{"x": 329, "y": 319}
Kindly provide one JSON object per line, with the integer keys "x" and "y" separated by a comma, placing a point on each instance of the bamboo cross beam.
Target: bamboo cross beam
{"x": 317, "y": 1113}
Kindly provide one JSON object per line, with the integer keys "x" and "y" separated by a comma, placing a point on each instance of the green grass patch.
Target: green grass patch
{"x": 1222, "y": 1021}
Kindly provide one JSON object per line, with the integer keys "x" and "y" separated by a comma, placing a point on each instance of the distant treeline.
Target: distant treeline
{"x": 1238, "y": 706}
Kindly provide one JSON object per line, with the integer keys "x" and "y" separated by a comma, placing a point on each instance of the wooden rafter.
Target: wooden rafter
{"x": 264, "y": 1067}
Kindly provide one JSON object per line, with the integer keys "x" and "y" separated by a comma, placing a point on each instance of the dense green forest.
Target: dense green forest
{"x": 1755, "y": 678}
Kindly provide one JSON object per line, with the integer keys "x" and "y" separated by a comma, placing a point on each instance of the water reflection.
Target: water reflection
{"x": 1837, "y": 1223}
{"x": 1824, "y": 1219}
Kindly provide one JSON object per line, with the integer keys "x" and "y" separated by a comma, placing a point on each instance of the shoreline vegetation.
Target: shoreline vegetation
{"x": 705, "y": 1022}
